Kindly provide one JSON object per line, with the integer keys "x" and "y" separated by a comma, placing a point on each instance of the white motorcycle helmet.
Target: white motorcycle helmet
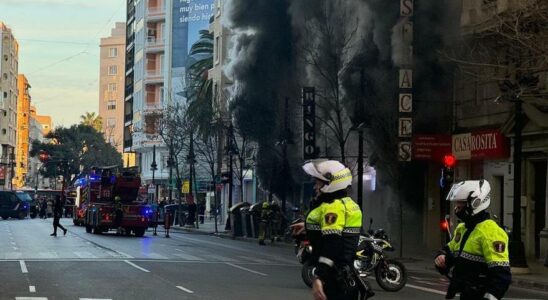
{"x": 475, "y": 192}
{"x": 335, "y": 175}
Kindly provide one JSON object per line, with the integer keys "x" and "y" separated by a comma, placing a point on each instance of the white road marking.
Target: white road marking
{"x": 246, "y": 269}
{"x": 425, "y": 289}
{"x": 84, "y": 254}
{"x": 214, "y": 257}
{"x": 185, "y": 256}
{"x": 136, "y": 266}
{"x": 23, "y": 266}
{"x": 156, "y": 256}
{"x": 32, "y": 289}
{"x": 13, "y": 243}
{"x": 31, "y": 298}
{"x": 255, "y": 259}
{"x": 124, "y": 254}
{"x": 185, "y": 289}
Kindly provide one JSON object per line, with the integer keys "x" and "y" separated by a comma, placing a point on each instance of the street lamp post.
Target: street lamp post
{"x": 12, "y": 168}
{"x": 516, "y": 247}
{"x": 153, "y": 168}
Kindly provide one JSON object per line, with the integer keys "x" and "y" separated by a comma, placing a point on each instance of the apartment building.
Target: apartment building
{"x": 159, "y": 36}
{"x": 487, "y": 92}
{"x": 23, "y": 130}
{"x": 111, "y": 83}
{"x": 9, "y": 64}
{"x": 36, "y": 131}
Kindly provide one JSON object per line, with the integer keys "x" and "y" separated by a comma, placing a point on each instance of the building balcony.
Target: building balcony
{"x": 155, "y": 14}
{"x": 150, "y": 108}
{"x": 155, "y": 45}
{"x": 154, "y": 77}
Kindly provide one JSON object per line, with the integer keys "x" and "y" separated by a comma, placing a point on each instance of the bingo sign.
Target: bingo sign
{"x": 309, "y": 123}
{"x": 189, "y": 18}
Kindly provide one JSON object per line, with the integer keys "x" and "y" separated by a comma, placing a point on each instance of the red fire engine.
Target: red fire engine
{"x": 97, "y": 209}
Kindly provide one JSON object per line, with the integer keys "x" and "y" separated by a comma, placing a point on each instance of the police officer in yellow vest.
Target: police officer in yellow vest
{"x": 478, "y": 252}
{"x": 333, "y": 227}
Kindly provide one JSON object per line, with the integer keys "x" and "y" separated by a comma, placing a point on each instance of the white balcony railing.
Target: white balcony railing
{"x": 155, "y": 42}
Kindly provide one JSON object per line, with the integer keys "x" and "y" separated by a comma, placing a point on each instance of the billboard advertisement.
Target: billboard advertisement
{"x": 189, "y": 17}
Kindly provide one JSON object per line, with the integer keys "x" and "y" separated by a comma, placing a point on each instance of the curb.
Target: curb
{"x": 226, "y": 235}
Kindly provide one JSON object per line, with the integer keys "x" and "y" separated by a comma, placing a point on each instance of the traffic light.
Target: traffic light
{"x": 43, "y": 156}
{"x": 448, "y": 170}
{"x": 444, "y": 226}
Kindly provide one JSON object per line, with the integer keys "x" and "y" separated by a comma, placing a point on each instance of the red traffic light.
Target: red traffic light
{"x": 444, "y": 226}
{"x": 43, "y": 156}
{"x": 449, "y": 161}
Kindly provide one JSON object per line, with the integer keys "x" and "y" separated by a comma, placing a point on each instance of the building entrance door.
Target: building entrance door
{"x": 540, "y": 202}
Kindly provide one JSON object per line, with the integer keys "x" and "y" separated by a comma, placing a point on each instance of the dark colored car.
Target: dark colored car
{"x": 14, "y": 204}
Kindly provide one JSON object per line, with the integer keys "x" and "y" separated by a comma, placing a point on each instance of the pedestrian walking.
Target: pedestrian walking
{"x": 57, "y": 213}
{"x": 477, "y": 255}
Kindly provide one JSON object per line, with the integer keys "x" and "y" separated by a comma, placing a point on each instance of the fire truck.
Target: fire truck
{"x": 96, "y": 206}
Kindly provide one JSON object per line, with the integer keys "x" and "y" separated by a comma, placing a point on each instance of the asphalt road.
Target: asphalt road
{"x": 34, "y": 265}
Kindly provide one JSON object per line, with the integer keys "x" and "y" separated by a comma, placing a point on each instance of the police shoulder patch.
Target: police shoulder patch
{"x": 499, "y": 246}
{"x": 330, "y": 218}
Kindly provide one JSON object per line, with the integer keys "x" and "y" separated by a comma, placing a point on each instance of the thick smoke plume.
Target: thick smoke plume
{"x": 268, "y": 63}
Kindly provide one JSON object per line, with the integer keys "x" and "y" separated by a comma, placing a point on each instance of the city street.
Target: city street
{"x": 186, "y": 266}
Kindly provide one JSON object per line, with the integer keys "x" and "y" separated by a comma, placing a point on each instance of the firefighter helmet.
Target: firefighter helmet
{"x": 334, "y": 174}
{"x": 475, "y": 192}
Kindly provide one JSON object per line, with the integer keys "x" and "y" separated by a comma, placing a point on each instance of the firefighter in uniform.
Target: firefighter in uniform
{"x": 333, "y": 227}
{"x": 118, "y": 214}
{"x": 264, "y": 225}
{"x": 478, "y": 252}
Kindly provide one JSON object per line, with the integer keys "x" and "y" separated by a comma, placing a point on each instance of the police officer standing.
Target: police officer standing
{"x": 478, "y": 252}
{"x": 333, "y": 227}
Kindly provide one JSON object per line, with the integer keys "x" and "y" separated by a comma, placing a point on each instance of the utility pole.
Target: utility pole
{"x": 170, "y": 164}
{"x": 153, "y": 168}
{"x": 12, "y": 165}
{"x": 230, "y": 149}
{"x": 516, "y": 247}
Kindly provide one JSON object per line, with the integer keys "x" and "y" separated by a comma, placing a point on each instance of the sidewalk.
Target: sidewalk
{"x": 537, "y": 278}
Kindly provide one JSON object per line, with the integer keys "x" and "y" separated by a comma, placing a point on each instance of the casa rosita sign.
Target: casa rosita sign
{"x": 490, "y": 144}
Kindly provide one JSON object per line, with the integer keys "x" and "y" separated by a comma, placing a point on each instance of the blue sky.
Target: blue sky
{"x": 59, "y": 51}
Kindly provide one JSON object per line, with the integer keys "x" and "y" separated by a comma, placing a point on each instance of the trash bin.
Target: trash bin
{"x": 236, "y": 218}
{"x": 246, "y": 221}
{"x": 255, "y": 217}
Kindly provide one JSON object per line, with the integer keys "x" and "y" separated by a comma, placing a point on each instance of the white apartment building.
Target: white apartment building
{"x": 159, "y": 36}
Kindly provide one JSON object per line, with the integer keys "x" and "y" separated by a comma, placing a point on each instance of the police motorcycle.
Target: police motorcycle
{"x": 390, "y": 274}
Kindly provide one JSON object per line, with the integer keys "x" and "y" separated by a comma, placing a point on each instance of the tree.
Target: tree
{"x": 79, "y": 147}
{"x": 93, "y": 120}
{"x": 199, "y": 89}
{"x": 328, "y": 47}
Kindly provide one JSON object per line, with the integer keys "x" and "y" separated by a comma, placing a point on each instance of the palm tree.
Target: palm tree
{"x": 199, "y": 89}
{"x": 93, "y": 120}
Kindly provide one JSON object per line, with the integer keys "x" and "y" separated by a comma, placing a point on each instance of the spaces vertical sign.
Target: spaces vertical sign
{"x": 405, "y": 81}
{"x": 309, "y": 123}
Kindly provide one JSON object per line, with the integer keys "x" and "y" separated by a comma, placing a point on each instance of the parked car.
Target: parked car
{"x": 15, "y": 204}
